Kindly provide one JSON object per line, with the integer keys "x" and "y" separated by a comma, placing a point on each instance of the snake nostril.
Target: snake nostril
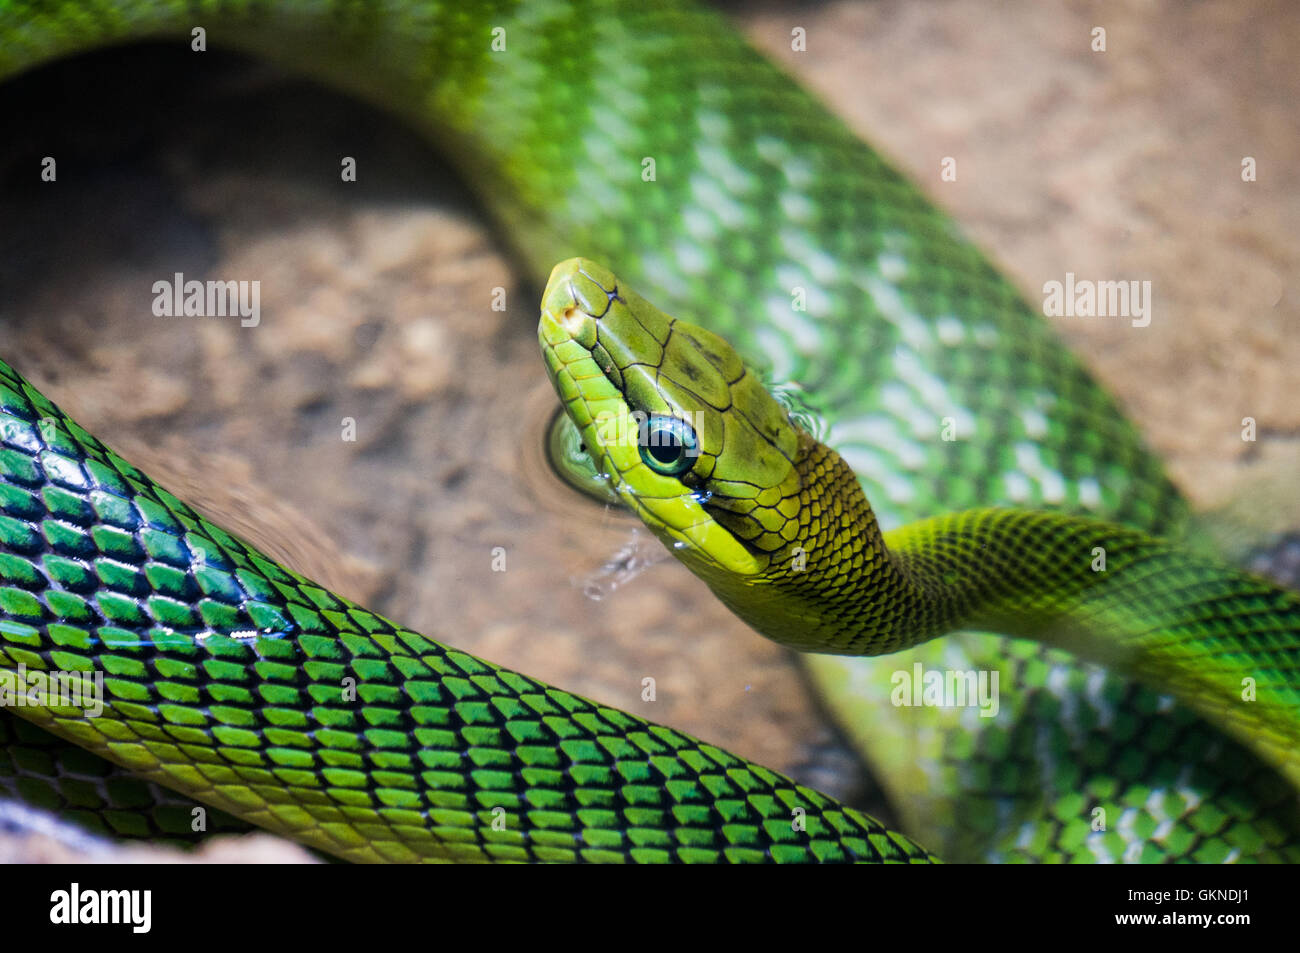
{"x": 574, "y": 320}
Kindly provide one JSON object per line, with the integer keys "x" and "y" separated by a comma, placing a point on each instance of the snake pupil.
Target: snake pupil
{"x": 667, "y": 453}
{"x": 668, "y": 445}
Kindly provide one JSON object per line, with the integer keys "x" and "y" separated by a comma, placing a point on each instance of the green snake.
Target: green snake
{"x": 237, "y": 682}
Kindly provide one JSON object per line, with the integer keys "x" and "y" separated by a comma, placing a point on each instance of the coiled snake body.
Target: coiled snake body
{"x": 757, "y": 189}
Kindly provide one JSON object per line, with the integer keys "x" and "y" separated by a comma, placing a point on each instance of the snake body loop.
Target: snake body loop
{"x": 228, "y": 677}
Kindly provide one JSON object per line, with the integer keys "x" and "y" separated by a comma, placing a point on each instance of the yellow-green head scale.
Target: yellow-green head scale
{"x": 693, "y": 443}
{"x": 649, "y": 395}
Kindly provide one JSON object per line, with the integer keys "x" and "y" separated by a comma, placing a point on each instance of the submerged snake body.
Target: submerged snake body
{"x": 758, "y": 190}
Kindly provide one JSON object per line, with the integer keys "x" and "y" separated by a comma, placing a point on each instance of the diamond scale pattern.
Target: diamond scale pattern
{"x": 241, "y": 684}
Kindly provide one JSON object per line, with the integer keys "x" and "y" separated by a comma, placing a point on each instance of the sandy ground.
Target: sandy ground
{"x": 1123, "y": 164}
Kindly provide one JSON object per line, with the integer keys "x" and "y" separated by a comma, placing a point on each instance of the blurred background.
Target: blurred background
{"x": 377, "y": 306}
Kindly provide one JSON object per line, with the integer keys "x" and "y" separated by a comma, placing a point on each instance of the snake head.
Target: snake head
{"x": 686, "y": 435}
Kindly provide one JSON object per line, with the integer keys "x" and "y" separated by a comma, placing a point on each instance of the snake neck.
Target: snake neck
{"x": 840, "y": 585}
{"x": 832, "y": 584}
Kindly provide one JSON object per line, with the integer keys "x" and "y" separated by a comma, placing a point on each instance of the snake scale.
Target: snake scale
{"x": 371, "y": 742}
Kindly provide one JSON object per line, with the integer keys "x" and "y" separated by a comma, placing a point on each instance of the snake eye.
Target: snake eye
{"x": 668, "y": 445}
